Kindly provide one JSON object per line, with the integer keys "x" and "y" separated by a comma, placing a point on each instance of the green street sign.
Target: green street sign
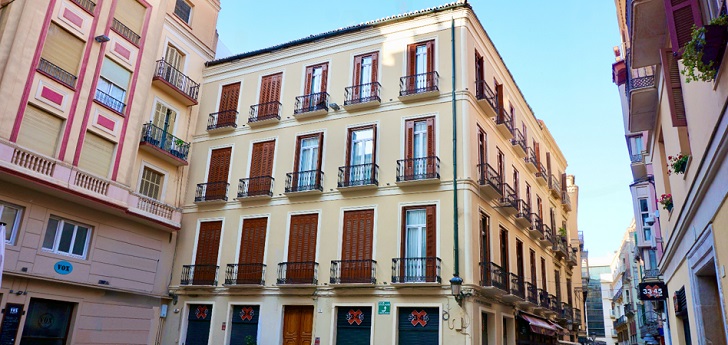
{"x": 384, "y": 307}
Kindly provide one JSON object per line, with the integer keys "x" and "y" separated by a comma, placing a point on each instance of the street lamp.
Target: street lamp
{"x": 456, "y": 284}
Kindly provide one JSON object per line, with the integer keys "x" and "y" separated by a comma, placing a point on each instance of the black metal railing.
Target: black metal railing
{"x": 524, "y": 210}
{"x": 265, "y": 111}
{"x": 165, "y": 141}
{"x": 560, "y": 247}
{"x": 413, "y": 169}
{"x": 255, "y": 186}
{"x": 87, "y": 5}
{"x": 109, "y": 101}
{"x": 177, "y": 79}
{"x": 531, "y": 157}
{"x": 542, "y": 173}
{"x": 489, "y": 176}
{"x": 353, "y": 271}
{"x": 222, "y": 119}
{"x": 536, "y": 222}
{"x": 519, "y": 140}
{"x": 312, "y": 102}
{"x": 565, "y": 198}
{"x": 577, "y": 316}
{"x": 554, "y": 304}
{"x": 628, "y": 309}
{"x": 125, "y": 32}
{"x": 566, "y": 312}
{"x": 649, "y": 323}
{"x": 358, "y": 175}
{"x": 199, "y": 275}
{"x": 621, "y": 321}
{"x": 555, "y": 185}
{"x": 57, "y": 73}
{"x": 212, "y": 191}
{"x": 543, "y": 299}
{"x": 505, "y": 119}
{"x": 493, "y": 275}
{"x": 245, "y": 274}
{"x": 305, "y": 272}
{"x": 548, "y": 233}
{"x": 416, "y": 270}
{"x": 483, "y": 91}
{"x": 531, "y": 293}
{"x": 362, "y": 93}
{"x": 418, "y": 83}
{"x": 517, "y": 286}
{"x": 509, "y": 196}
{"x": 651, "y": 273}
{"x": 302, "y": 181}
{"x": 572, "y": 255}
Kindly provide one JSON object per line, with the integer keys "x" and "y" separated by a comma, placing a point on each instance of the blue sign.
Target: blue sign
{"x": 63, "y": 267}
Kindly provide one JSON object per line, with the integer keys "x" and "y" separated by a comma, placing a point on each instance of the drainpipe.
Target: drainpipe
{"x": 456, "y": 268}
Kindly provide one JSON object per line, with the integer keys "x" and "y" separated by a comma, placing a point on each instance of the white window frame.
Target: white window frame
{"x": 12, "y": 228}
{"x": 162, "y": 183}
{"x": 57, "y": 239}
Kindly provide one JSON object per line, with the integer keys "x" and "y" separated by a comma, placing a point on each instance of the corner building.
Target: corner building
{"x": 98, "y": 101}
{"x": 325, "y": 210}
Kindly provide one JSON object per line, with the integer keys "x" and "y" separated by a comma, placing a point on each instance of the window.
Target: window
{"x": 539, "y": 204}
{"x": 532, "y": 259}
{"x": 61, "y": 55}
{"x": 418, "y": 243}
{"x": 710, "y": 9}
{"x": 645, "y": 213}
{"x": 10, "y": 215}
{"x": 482, "y": 147}
{"x": 66, "y": 237}
{"x": 365, "y": 77}
{"x": 112, "y": 85}
{"x": 648, "y": 234}
{"x": 636, "y": 146}
{"x": 557, "y": 281}
{"x": 130, "y": 13}
{"x": 183, "y": 10}
{"x": 208, "y": 246}
{"x": 504, "y": 249}
{"x": 420, "y": 148}
{"x": 40, "y": 131}
{"x": 420, "y": 58}
{"x": 519, "y": 259}
{"x": 484, "y": 239}
{"x": 515, "y": 182}
{"x": 270, "y": 94}
{"x": 164, "y": 117}
{"x": 301, "y": 266}
{"x": 261, "y": 168}
{"x": 361, "y": 152}
{"x": 501, "y": 164}
{"x": 652, "y": 255}
{"x": 309, "y": 150}
{"x": 316, "y": 77}
{"x": 568, "y": 292}
{"x": 544, "y": 282}
{"x": 528, "y": 195}
{"x": 151, "y": 183}
{"x": 96, "y": 155}
{"x": 217, "y": 174}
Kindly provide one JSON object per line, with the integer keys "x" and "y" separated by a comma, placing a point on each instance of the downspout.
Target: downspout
{"x": 456, "y": 246}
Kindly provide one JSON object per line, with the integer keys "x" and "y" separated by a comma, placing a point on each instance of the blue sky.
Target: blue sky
{"x": 559, "y": 52}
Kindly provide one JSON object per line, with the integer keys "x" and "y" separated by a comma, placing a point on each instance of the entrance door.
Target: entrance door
{"x": 261, "y": 168}
{"x": 244, "y": 324}
{"x": 217, "y": 175}
{"x": 47, "y": 322}
{"x": 198, "y": 324}
{"x": 356, "y": 250}
{"x": 353, "y": 325}
{"x": 297, "y": 325}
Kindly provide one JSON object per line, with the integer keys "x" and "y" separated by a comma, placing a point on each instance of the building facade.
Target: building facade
{"x": 681, "y": 127}
{"x": 600, "y": 328}
{"x": 97, "y": 108}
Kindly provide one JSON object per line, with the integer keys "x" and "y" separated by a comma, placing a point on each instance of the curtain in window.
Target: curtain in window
{"x": 308, "y": 162}
{"x": 420, "y": 148}
{"x": 365, "y": 78}
{"x": 362, "y": 149}
{"x": 421, "y": 66}
{"x": 416, "y": 243}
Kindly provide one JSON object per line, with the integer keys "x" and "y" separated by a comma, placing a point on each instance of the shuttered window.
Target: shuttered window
{"x": 96, "y": 155}
{"x": 219, "y": 165}
{"x": 252, "y": 241}
{"x": 358, "y": 233}
{"x": 366, "y": 68}
{"x": 151, "y": 183}
{"x": 270, "y": 88}
{"x": 420, "y": 138}
{"x": 164, "y": 117}
{"x": 418, "y": 326}
{"x": 302, "y": 239}
{"x": 40, "y": 131}
{"x": 316, "y": 77}
{"x": 421, "y": 58}
{"x": 681, "y": 16}
{"x": 131, "y": 14}
{"x": 208, "y": 243}
{"x": 117, "y": 75}
{"x": 63, "y": 49}
{"x": 671, "y": 73}
{"x": 183, "y": 10}
{"x": 261, "y": 165}
{"x": 229, "y": 97}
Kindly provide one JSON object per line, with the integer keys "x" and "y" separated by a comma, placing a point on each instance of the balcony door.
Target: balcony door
{"x": 261, "y": 168}
{"x": 365, "y": 74}
{"x": 308, "y": 161}
{"x": 360, "y": 152}
{"x": 302, "y": 249}
{"x": 419, "y": 244}
{"x": 420, "y": 148}
{"x": 356, "y": 248}
{"x": 270, "y": 95}
{"x": 228, "y": 107}
{"x": 217, "y": 175}
{"x": 208, "y": 245}
{"x": 421, "y": 62}
{"x": 252, "y": 251}
{"x": 316, "y": 79}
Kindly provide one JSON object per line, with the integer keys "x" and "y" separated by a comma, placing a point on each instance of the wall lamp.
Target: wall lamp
{"x": 102, "y": 38}
{"x": 456, "y": 285}
{"x": 334, "y": 106}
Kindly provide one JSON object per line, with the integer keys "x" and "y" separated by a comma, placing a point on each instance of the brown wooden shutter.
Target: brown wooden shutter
{"x": 532, "y": 260}
{"x": 208, "y": 243}
{"x": 324, "y": 76}
{"x": 430, "y": 56}
{"x": 409, "y": 148}
{"x": 375, "y": 66}
{"x": 431, "y": 249}
{"x": 229, "y": 97}
{"x": 548, "y": 164}
{"x": 537, "y": 151}
{"x": 252, "y": 242}
{"x": 309, "y": 76}
{"x": 499, "y": 97}
{"x": 357, "y": 71}
{"x": 519, "y": 259}
{"x": 63, "y": 49}
{"x": 357, "y": 245}
{"x": 261, "y": 164}
{"x": 271, "y": 88}
{"x": 265, "y": 85}
{"x": 131, "y": 14}
{"x": 374, "y": 147}
{"x": 411, "y": 60}
{"x": 681, "y": 16}
{"x": 671, "y": 71}
{"x": 302, "y": 248}
{"x": 544, "y": 283}
{"x": 219, "y": 165}
{"x": 431, "y": 136}
{"x": 563, "y": 182}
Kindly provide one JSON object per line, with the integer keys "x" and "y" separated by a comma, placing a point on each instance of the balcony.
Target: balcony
{"x": 59, "y": 74}
{"x": 577, "y": 317}
{"x": 536, "y": 229}
{"x": 547, "y": 236}
{"x": 531, "y": 160}
{"x": 222, "y": 121}
{"x": 87, "y": 5}
{"x": 523, "y": 216}
{"x": 353, "y": 272}
{"x": 305, "y": 182}
{"x": 202, "y": 275}
{"x": 493, "y": 278}
{"x": 651, "y": 274}
{"x": 646, "y": 24}
{"x": 175, "y": 83}
{"x": 519, "y": 143}
{"x": 629, "y": 309}
{"x": 517, "y": 289}
{"x": 642, "y": 99}
{"x": 154, "y": 209}
{"x": 489, "y": 181}
{"x": 164, "y": 145}
{"x": 256, "y": 187}
{"x": 264, "y": 113}
{"x": 125, "y": 32}
{"x": 555, "y": 187}
{"x": 621, "y": 321}
{"x": 362, "y": 96}
{"x": 485, "y": 95}
{"x": 212, "y": 192}
{"x": 109, "y": 102}
{"x": 532, "y": 294}
{"x": 649, "y": 323}
{"x": 565, "y": 201}
{"x": 555, "y": 305}
{"x": 542, "y": 176}
{"x": 544, "y": 302}
{"x": 416, "y": 270}
{"x": 571, "y": 257}
{"x": 297, "y": 273}
{"x": 419, "y": 86}
{"x": 559, "y": 247}
{"x": 504, "y": 124}
{"x": 418, "y": 170}
{"x": 311, "y": 105}
{"x": 245, "y": 274}
{"x": 508, "y": 203}
{"x": 566, "y": 312}
{"x": 638, "y": 166}
{"x": 360, "y": 176}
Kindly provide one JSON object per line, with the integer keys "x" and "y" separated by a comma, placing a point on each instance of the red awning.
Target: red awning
{"x": 540, "y": 326}
{"x": 559, "y": 329}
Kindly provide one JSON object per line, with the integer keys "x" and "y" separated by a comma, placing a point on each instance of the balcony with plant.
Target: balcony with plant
{"x": 164, "y": 145}
{"x": 703, "y": 54}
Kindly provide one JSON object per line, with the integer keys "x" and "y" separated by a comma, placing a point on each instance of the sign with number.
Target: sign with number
{"x": 63, "y": 267}
{"x": 384, "y": 308}
{"x": 656, "y": 291}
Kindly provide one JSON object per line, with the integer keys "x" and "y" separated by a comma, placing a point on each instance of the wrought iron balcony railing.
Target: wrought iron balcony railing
{"x": 265, "y": 111}
{"x": 505, "y": 119}
{"x": 353, "y": 272}
{"x": 413, "y": 169}
{"x": 531, "y": 157}
{"x": 519, "y": 140}
{"x": 418, "y": 83}
{"x": 358, "y": 175}
{"x": 524, "y": 210}
{"x": 548, "y": 234}
{"x": 311, "y": 103}
{"x": 416, "y": 270}
{"x": 165, "y": 141}
{"x": 566, "y": 312}
{"x": 125, "y": 32}
{"x": 555, "y": 185}
{"x": 199, "y": 275}
{"x": 531, "y": 293}
{"x": 211, "y": 191}
{"x": 305, "y": 272}
{"x": 577, "y": 316}
{"x": 177, "y": 79}
{"x": 87, "y": 5}
{"x": 109, "y": 101}
{"x": 541, "y": 172}
{"x": 536, "y": 223}
{"x": 62, "y": 76}
{"x": 636, "y": 158}
{"x": 517, "y": 286}
{"x": 493, "y": 275}
{"x": 245, "y": 274}
{"x": 483, "y": 91}
{"x": 363, "y": 93}
{"x": 222, "y": 119}
{"x": 628, "y": 309}
{"x": 566, "y": 199}
{"x": 255, "y": 186}
{"x": 554, "y": 305}
{"x": 649, "y": 323}
{"x": 489, "y": 176}
{"x": 303, "y": 181}
{"x": 509, "y": 198}
{"x": 543, "y": 299}
{"x": 652, "y": 273}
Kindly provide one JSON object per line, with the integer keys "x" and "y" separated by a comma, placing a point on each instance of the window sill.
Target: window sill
{"x": 69, "y": 257}
{"x": 72, "y": 88}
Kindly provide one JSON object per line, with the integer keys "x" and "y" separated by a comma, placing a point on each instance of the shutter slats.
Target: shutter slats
{"x": 40, "y": 131}
{"x": 131, "y": 14}
{"x": 681, "y": 16}
{"x": 63, "y": 49}
{"x": 229, "y": 97}
{"x": 208, "y": 243}
{"x": 96, "y": 155}
{"x": 219, "y": 165}
{"x": 671, "y": 71}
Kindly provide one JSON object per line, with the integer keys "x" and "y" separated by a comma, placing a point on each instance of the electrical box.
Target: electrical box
{"x": 163, "y": 311}
{"x": 458, "y": 321}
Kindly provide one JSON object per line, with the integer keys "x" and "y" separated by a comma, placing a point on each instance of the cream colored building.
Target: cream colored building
{"x": 89, "y": 187}
{"x": 327, "y": 211}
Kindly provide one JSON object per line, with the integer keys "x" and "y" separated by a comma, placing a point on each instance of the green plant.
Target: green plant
{"x": 178, "y": 142}
{"x": 562, "y": 231}
{"x": 692, "y": 56}
{"x": 677, "y": 164}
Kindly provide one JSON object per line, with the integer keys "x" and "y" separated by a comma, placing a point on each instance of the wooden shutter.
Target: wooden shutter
{"x": 537, "y": 151}
{"x": 63, "y": 49}
{"x": 208, "y": 243}
{"x": 131, "y": 14}
{"x": 532, "y": 260}
{"x": 375, "y": 66}
{"x": 302, "y": 241}
{"x": 499, "y": 98}
{"x": 96, "y": 155}
{"x": 219, "y": 165}
{"x": 309, "y": 77}
{"x": 431, "y": 136}
{"x": 229, "y": 97}
{"x": 681, "y": 16}
{"x": 671, "y": 72}
{"x": 271, "y": 88}
{"x": 412, "y": 60}
{"x": 39, "y": 131}
{"x": 430, "y": 56}
{"x": 357, "y": 71}
{"x": 563, "y": 182}
{"x": 548, "y": 165}
{"x": 358, "y": 234}
{"x": 544, "y": 283}
{"x": 504, "y": 249}
{"x": 324, "y": 76}
{"x": 431, "y": 237}
{"x": 320, "y": 154}
{"x": 252, "y": 242}
{"x": 261, "y": 165}
{"x": 519, "y": 258}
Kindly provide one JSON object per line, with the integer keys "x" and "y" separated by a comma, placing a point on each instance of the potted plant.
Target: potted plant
{"x": 562, "y": 232}
{"x": 177, "y": 148}
{"x": 666, "y": 202}
{"x": 677, "y": 164}
{"x": 702, "y": 55}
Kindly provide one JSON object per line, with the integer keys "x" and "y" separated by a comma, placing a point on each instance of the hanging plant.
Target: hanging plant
{"x": 666, "y": 202}
{"x": 702, "y": 55}
{"x": 677, "y": 164}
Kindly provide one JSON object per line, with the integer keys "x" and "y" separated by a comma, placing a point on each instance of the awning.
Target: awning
{"x": 540, "y": 326}
{"x": 559, "y": 329}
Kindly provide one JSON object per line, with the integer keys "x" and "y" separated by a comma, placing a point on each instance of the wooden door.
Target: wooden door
{"x": 252, "y": 251}
{"x": 208, "y": 244}
{"x": 298, "y": 325}
{"x": 356, "y": 251}
{"x": 261, "y": 168}
{"x": 217, "y": 175}
{"x": 228, "y": 104}
{"x": 270, "y": 91}
{"x": 302, "y": 249}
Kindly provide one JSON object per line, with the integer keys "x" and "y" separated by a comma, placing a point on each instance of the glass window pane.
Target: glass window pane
{"x": 64, "y": 245}
{"x": 643, "y": 205}
{"x": 50, "y": 235}
{"x": 80, "y": 243}
{"x": 10, "y": 217}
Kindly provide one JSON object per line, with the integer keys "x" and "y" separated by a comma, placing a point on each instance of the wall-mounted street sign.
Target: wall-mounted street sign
{"x": 653, "y": 291}
{"x": 384, "y": 308}
{"x": 63, "y": 267}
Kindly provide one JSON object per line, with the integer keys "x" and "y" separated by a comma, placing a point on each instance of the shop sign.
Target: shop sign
{"x": 384, "y": 307}
{"x": 653, "y": 291}
{"x": 63, "y": 267}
